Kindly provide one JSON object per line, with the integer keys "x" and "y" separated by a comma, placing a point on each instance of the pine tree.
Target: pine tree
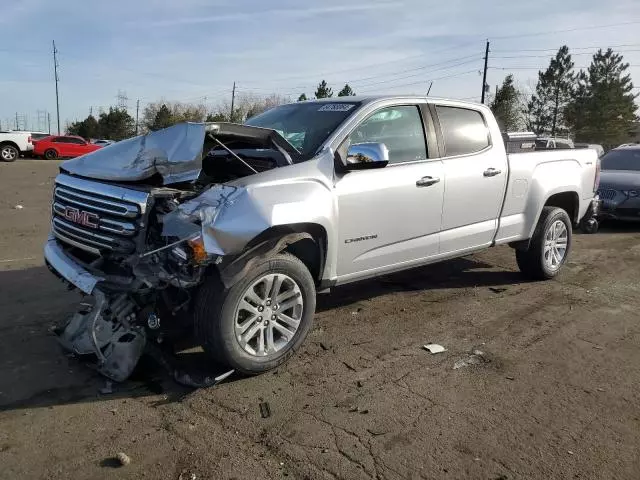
{"x": 346, "y": 91}
{"x": 505, "y": 106}
{"x": 117, "y": 124}
{"x": 323, "y": 90}
{"x": 302, "y": 97}
{"x": 162, "y": 119}
{"x": 546, "y": 110}
{"x": 603, "y": 108}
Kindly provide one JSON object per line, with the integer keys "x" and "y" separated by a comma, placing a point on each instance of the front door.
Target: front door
{"x": 390, "y": 216}
{"x": 476, "y": 176}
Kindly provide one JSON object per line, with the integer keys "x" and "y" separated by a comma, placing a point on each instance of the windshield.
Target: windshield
{"x": 626, "y": 159}
{"x": 305, "y": 125}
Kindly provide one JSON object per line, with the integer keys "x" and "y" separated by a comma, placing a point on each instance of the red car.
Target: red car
{"x": 62, "y": 146}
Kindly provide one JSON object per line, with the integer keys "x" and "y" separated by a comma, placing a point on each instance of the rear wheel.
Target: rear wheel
{"x": 9, "y": 153}
{"x": 260, "y": 321}
{"x": 50, "y": 154}
{"x": 549, "y": 246}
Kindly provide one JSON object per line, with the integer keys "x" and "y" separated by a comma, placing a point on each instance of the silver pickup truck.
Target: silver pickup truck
{"x": 232, "y": 229}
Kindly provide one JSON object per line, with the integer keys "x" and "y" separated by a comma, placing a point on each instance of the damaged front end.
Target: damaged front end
{"x": 138, "y": 225}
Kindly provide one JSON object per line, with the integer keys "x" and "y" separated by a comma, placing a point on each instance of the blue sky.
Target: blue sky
{"x": 193, "y": 50}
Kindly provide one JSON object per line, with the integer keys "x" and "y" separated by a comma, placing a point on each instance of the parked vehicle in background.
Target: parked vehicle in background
{"x": 235, "y": 243}
{"x": 619, "y": 188}
{"x": 553, "y": 143}
{"x": 13, "y": 144}
{"x": 103, "y": 143}
{"x": 63, "y": 147}
{"x": 593, "y": 146}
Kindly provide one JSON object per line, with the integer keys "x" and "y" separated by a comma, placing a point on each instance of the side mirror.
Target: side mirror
{"x": 363, "y": 156}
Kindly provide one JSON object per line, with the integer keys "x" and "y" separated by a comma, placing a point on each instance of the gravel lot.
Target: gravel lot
{"x": 555, "y": 394}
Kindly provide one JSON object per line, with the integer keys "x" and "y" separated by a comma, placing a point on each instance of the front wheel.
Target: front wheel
{"x": 549, "y": 247}
{"x": 260, "y": 321}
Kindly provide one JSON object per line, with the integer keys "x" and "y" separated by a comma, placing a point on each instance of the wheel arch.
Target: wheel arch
{"x": 568, "y": 200}
{"x": 306, "y": 241}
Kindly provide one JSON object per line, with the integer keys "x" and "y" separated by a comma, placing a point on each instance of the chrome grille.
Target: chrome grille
{"x": 607, "y": 194}
{"x": 114, "y": 211}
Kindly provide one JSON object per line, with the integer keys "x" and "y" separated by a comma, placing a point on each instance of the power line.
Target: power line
{"x": 570, "y": 49}
{"x": 426, "y": 81}
{"x": 539, "y": 68}
{"x": 551, "y": 55}
{"x": 575, "y": 29}
{"x": 361, "y": 67}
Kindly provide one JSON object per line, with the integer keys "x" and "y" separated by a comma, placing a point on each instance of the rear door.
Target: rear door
{"x": 390, "y": 216}
{"x": 476, "y": 176}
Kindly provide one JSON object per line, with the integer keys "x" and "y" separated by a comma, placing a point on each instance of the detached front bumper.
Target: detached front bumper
{"x": 64, "y": 266}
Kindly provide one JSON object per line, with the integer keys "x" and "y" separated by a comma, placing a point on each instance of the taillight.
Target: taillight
{"x": 596, "y": 182}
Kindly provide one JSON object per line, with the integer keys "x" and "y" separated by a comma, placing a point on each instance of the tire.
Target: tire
{"x": 537, "y": 264}
{"x": 9, "y": 153}
{"x": 50, "y": 154}
{"x": 220, "y": 314}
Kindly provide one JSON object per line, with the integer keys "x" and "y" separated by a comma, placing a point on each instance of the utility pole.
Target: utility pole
{"x": 233, "y": 101}
{"x": 91, "y": 111}
{"x": 17, "y": 124}
{"x": 55, "y": 73}
{"x": 484, "y": 75}
{"x": 49, "y": 121}
{"x": 137, "y": 109}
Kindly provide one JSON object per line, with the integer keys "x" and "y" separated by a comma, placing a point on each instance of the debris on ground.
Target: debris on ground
{"x": 198, "y": 381}
{"x": 349, "y": 366}
{"x": 497, "y": 289}
{"x": 434, "y": 348}
{"x": 359, "y": 384}
{"x": 18, "y": 207}
{"x": 510, "y": 378}
{"x": 265, "y": 410}
{"x": 184, "y": 475}
{"x": 477, "y": 357}
{"x": 123, "y": 459}
{"x": 107, "y": 389}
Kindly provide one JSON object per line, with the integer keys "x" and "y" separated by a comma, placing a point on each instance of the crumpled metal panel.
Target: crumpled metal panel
{"x": 175, "y": 153}
{"x": 229, "y": 216}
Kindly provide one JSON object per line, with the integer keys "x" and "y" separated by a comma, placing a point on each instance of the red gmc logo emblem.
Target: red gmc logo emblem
{"x": 86, "y": 219}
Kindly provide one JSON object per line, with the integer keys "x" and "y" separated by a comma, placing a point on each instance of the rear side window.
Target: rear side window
{"x": 77, "y": 141}
{"x": 464, "y": 130}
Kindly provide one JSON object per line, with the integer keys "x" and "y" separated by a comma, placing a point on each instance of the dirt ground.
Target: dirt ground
{"x": 554, "y": 396}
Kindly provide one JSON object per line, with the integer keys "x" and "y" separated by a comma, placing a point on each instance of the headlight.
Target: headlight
{"x": 630, "y": 193}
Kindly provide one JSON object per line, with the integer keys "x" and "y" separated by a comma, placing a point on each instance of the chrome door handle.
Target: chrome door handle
{"x": 491, "y": 172}
{"x": 427, "y": 181}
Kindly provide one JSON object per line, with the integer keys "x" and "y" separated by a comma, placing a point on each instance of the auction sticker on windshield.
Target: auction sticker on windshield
{"x": 336, "y": 107}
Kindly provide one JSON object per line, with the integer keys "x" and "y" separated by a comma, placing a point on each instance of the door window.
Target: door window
{"x": 400, "y": 128}
{"x": 464, "y": 130}
{"x": 77, "y": 141}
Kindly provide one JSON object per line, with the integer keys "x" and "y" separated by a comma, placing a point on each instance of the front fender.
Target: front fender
{"x": 229, "y": 217}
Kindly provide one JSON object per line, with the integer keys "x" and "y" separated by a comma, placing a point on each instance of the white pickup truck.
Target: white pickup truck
{"x": 13, "y": 144}
{"x": 233, "y": 228}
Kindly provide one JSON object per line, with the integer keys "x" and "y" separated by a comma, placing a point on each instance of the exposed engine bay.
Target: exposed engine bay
{"x": 143, "y": 233}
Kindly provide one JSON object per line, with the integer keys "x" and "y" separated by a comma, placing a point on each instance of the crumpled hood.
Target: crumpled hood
{"x": 175, "y": 153}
